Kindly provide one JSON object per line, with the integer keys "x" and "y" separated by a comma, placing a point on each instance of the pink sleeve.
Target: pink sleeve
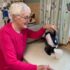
{"x": 36, "y": 34}
{"x": 10, "y": 55}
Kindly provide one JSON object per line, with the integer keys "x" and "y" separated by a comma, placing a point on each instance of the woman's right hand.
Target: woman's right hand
{"x": 44, "y": 67}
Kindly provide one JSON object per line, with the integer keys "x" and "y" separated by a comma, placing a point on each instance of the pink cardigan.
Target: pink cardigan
{"x": 12, "y": 48}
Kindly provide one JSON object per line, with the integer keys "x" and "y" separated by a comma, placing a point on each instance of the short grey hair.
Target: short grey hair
{"x": 18, "y": 7}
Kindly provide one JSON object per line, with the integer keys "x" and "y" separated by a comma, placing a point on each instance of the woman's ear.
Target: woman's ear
{"x": 14, "y": 17}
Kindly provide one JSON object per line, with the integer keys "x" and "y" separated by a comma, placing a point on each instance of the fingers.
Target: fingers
{"x": 50, "y": 26}
{"x": 47, "y": 26}
{"x": 48, "y": 67}
{"x": 54, "y": 27}
{"x": 44, "y": 67}
{"x": 40, "y": 67}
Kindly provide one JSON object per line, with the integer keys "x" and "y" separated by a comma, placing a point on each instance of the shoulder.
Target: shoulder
{"x": 5, "y": 29}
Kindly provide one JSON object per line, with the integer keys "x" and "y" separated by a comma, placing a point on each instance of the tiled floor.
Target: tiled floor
{"x": 35, "y": 54}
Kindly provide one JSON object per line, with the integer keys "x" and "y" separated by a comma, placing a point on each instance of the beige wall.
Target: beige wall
{"x": 35, "y": 7}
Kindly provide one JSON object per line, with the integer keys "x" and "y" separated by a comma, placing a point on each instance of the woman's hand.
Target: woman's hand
{"x": 47, "y": 26}
{"x": 54, "y": 27}
{"x": 44, "y": 67}
{"x": 50, "y": 27}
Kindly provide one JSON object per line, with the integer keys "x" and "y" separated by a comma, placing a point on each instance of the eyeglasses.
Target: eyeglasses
{"x": 26, "y": 17}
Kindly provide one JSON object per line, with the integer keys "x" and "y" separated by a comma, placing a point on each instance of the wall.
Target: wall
{"x": 32, "y": 1}
{"x": 69, "y": 34}
{"x": 1, "y": 20}
{"x": 35, "y": 8}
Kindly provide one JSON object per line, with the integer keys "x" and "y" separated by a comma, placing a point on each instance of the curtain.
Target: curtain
{"x": 56, "y": 12}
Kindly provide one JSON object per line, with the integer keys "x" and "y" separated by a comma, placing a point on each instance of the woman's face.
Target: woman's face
{"x": 22, "y": 20}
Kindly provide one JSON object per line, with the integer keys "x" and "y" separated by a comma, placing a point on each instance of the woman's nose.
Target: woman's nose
{"x": 28, "y": 20}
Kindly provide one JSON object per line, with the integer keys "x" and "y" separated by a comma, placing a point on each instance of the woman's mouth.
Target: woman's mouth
{"x": 25, "y": 25}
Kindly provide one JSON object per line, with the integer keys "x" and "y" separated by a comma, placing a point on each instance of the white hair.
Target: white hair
{"x": 18, "y": 7}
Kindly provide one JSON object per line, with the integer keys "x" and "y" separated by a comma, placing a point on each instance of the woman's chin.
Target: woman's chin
{"x": 25, "y": 26}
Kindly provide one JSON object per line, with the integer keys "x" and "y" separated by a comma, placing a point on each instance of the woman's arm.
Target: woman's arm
{"x": 36, "y": 34}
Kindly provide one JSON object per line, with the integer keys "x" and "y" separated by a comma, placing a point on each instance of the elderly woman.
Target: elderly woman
{"x": 13, "y": 37}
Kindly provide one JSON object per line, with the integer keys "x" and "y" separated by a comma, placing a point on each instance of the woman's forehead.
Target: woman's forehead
{"x": 25, "y": 13}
